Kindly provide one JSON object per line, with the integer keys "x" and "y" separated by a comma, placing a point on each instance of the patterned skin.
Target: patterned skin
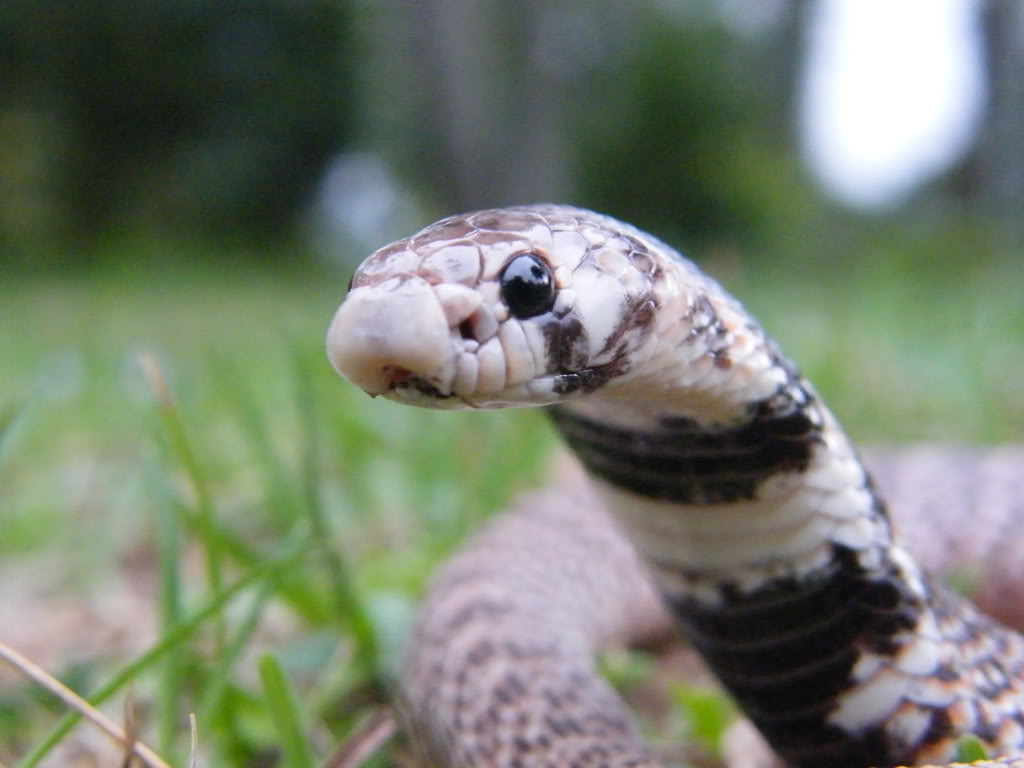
{"x": 758, "y": 523}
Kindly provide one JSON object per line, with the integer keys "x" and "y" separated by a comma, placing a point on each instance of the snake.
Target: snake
{"x": 716, "y": 489}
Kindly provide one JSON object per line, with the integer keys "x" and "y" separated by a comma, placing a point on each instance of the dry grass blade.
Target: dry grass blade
{"x": 155, "y": 377}
{"x": 131, "y": 724}
{"x": 193, "y": 729}
{"x": 373, "y": 734}
{"x": 76, "y": 702}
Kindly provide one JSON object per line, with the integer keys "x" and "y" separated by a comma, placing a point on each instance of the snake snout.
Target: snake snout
{"x": 383, "y": 335}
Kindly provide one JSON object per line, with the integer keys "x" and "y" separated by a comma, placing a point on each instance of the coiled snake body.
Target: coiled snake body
{"x": 733, "y": 483}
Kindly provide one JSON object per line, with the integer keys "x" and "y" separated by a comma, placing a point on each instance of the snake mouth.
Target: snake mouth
{"x": 409, "y": 389}
{"x": 403, "y": 380}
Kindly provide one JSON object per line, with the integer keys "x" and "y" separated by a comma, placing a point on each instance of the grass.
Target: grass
{"x": 288, "y": 523}
{"x": 250, "y": 444}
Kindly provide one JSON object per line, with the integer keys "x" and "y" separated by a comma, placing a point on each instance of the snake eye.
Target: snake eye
{"x": 527, "y": 287}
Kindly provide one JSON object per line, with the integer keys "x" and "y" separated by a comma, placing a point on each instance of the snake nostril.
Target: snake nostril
{"x": 479, "y": 326}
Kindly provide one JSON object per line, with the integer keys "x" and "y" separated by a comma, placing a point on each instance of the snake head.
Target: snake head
{"x": 516, "y": 306}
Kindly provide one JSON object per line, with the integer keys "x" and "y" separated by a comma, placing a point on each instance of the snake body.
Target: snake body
{"x": 740, "y": 497}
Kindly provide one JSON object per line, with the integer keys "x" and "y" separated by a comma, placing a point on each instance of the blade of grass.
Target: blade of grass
{"x": 193, "y": 741}
{"x": 309, "y": 604}
{"x": 202, "y": 522}
{"x": 708, "y": 713}
{"x": 354, "y": 442}
{"x": 282, "y": 496}
{"x": 11, "y": 417}
{"x": 366, "y": 740}
{"x": 970, "y": 749}
{"x": 177, "y": 437}
{"x": 284, "y": 711}
{"x": 291, "y": 552}
{"x": 346, "y": 595}
{"x": 123, "y": 736}
{"x": 168, "y": 542}
{"x": 218, "y": 678}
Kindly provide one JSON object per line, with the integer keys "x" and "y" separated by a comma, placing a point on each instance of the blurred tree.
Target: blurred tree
{"x": 992, "y": 180}
{"x": 195, "y": 116}
{"x": 454, "y": 99}
{"x": 686, "y": 128}
{"x": 660, "y": 113}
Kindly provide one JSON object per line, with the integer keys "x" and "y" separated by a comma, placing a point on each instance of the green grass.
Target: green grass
{"x": 266, "y": 487}
{"x": 259, "y": 443}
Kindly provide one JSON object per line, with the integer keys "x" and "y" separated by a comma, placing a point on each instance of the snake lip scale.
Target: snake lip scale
{"x": 717, "y": 482}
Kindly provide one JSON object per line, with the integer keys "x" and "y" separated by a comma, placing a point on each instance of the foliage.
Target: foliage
{"x": 251, "y": 454}
{"x": 185, "y": 116}
{"x": 708, "y": 713}
{"x": 678, "y": 133}
{"x": 970, "y": 749}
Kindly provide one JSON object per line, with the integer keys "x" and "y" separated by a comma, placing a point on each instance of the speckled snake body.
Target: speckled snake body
{"x": 740, "y": 497}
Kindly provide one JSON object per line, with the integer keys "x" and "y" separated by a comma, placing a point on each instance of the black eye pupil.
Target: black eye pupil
{"x": 527, "y": 287}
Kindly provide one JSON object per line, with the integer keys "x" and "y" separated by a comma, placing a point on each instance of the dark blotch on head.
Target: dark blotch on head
{"x": 571, "y": 353}
{"x": 640, "y": 318}
{"x": 567, "y": 384}
{"x": 566, "y": 341}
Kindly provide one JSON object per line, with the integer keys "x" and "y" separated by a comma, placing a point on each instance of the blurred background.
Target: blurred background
{"x": 193, "y": 181}
{"x": 312, "y": 122}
